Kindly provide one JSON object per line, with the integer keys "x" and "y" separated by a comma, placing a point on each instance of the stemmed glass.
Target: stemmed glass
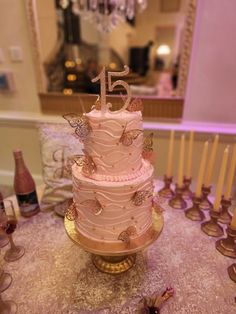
{"x": 8, "y": 224}
{"x": 6, "y": 307}
{"x": 3, "y": 240}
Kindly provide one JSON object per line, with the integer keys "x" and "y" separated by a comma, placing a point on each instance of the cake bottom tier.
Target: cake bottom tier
{"x": 113, "y": 212}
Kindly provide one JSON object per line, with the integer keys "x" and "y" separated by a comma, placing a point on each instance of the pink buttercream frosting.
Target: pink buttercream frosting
{"x": 104, "y": 145}
{"x": 118, "y": 211}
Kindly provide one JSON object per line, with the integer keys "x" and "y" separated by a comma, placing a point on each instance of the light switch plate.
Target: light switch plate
{"x": 16, "y": 53}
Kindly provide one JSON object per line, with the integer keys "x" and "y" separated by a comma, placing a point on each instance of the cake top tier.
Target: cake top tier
{"x": 113, "y": 140}
{"x": 115, "y": 144}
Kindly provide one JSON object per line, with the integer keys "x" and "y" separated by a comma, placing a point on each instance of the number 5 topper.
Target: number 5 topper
{"x": 111, "y": 86}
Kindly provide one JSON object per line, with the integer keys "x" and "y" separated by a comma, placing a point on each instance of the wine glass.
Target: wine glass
{"x": 3, "y": 240}
{"x": 8, "y": 223}
{"x": 5, "y": 280}
{"x": 6, "y": 307}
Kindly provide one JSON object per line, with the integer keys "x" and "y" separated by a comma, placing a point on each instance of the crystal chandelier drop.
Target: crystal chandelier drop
{"x": 105, "y": 14}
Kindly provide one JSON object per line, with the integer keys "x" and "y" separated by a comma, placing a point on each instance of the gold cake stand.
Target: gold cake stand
{"x": 116, "y": 258}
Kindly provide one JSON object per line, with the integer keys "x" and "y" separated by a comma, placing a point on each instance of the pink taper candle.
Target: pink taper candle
{"x": 201, "y": 170}
{"x": 170, "y": 154}
{"x": 221, "y": 178}
{"x": 210, "y": 165}
{"x": 190, "y": 156}
{"x": 230, "y": 177}
{"x": 181, "y": 161}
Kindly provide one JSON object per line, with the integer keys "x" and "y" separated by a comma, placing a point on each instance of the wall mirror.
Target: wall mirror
{"x": 71, "y": 39}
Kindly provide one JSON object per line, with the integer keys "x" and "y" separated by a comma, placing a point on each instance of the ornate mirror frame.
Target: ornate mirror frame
{"x": 57, "y": 103}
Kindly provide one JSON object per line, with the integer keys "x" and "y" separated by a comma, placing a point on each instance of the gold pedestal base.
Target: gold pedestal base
{"x": 194, "y": 213}
{"x": 187, "y": 193}
{"x": 211, "y": 227}
{"x": 227, "y": 246}
{"x": 117, "y": 257}
{"x": 232, "y": 272}
{"x": 225, "y": 217}
{"x": 177, "y": 202}
{"x": 166, "y": 191}
{"x": 205, "y": 203}
{"x": 114, "y": 264}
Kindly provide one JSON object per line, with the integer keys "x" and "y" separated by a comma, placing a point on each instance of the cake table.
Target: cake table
{"x": 56, "y": 276}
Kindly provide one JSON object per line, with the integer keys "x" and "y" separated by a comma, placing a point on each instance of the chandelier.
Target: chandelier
{"x": 105, "y": 14}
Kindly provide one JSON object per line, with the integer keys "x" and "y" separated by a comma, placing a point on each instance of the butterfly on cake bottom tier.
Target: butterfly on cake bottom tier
{"x": 125, "y": 235}
{"x": 71, "y": 213}
{"x": 93, "y": 205}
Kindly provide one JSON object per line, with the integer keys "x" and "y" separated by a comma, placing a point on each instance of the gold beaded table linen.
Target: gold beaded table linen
{"x": 56, "y": 276}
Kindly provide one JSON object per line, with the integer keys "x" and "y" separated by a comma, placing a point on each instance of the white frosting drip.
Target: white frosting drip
{"x": 112, "y": 158}
{"x": 118, "y": 212}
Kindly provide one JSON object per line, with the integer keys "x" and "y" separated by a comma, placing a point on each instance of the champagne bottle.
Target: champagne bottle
{"x": 24, "y": 186}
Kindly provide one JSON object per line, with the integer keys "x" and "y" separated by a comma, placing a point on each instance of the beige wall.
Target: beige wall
{"x": 14, "y": 32}
{"x": 211, "y": 92}
{"x": 47, "y": 22}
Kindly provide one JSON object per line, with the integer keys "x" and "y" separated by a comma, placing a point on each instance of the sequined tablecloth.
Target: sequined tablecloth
{"x": 56, "y": 276}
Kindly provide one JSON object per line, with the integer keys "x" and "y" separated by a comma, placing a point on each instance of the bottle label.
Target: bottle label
{"x": 28, "y": 202}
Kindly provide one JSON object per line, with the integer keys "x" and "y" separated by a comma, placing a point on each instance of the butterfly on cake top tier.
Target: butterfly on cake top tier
{"x": 80, "y": 123}
{"x": 147, "y": 152}
{"x": 135, "y": 105}
{"x": 127, "y": 137}
{"x": 86, "y": 162}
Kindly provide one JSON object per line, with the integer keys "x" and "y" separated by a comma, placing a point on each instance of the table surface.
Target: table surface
{"x": 56, "y": 276}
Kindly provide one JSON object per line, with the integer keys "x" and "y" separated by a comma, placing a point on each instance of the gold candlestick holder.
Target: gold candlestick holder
{"x": 227, "y": 246}
{"x": 225, "y": 217}
{"x": 232, "y": 272}
{"x": 194, "y": 213}
{"x": 211, "y": 227}
{"x": 166, "y": 191}
{"x": 187, "y": 193}
{"x": 177, "y": 200}
{"x": 205, "y": 202}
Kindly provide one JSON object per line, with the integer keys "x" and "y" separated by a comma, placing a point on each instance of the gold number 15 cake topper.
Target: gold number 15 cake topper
{"x": 102, "y": 78}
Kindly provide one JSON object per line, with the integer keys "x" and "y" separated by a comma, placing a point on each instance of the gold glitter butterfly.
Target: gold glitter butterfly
{"x": 135, "y": 105}
{"x": 140, "y": 196}
{"x": 93, "y": 205}
{"x": 70, "y": 162}
{"x": 125, "y": 235}
{"x": 79, "y": 160}
{"x": 80, "y": 123}
{"x": 89, "y": 166}
{"x": 148, "y": 147}
{"x": 71, "y": 213}
{"x": 128, "y": 137}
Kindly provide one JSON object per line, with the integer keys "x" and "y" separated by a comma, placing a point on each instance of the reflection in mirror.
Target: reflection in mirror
{"x": 150, "y": 43}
